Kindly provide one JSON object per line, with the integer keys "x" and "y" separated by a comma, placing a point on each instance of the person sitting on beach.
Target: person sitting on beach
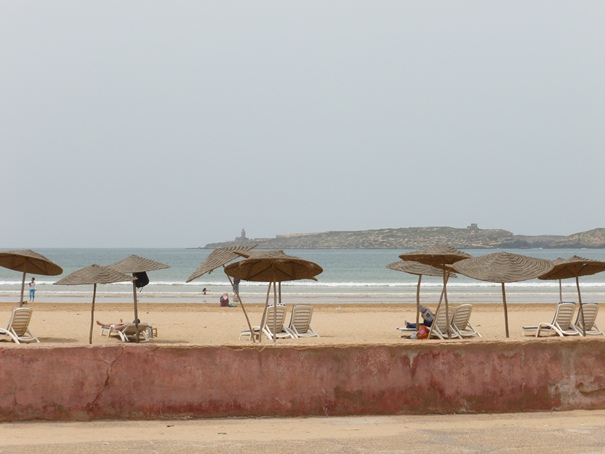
{"x": 427, "y": 316}
{"x": 224, "y": 300}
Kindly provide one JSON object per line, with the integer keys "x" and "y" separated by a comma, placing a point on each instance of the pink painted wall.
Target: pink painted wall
{"x": 151, "y": 382}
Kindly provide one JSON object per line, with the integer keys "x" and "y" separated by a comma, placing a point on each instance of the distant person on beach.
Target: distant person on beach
{"x": 236, "y": 282}
{"x": 32, "y": 290}
{"x": 204, "y": 291}
{"x": 427, "y": 316}
{"x": 224, "y": 300}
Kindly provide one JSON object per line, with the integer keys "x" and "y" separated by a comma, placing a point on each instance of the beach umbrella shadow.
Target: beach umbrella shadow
{"x": 219, "y": 258}
{"x": 28, "y": 261}
{"x": 441, "y": 257}
{"x": 94, "y": 274}
{"x": 503, "y": 268}
{"x": 574, "y": 267}
{"x": 138, "y": 266}
{"x": 272, "y": 267}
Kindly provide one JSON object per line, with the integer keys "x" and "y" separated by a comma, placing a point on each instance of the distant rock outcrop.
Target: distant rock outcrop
{"x": 471, "y": 237}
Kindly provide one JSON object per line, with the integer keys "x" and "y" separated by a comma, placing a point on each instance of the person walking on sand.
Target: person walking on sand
{"x": 32, "y": 290}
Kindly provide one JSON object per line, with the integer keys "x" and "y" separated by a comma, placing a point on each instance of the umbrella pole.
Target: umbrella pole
{"x": 242, "y": 304}
{"x": 264, "y": 317}
{"x": 136, "y": 312}
{"x": 447, "y": 308}
{"x": 437, "y": 310}
{"x": 418, "y": 302}
{"x": 92, "y": 313}
{"x": 505, "y": 309}
{"x": 275, "y": 310}
{"x": 560, "y": 291}
{"x": 581, "y": 308}
{"x": 22, "y": 290}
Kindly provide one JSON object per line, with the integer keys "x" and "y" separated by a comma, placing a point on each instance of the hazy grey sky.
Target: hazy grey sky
{"x": 178, "y": 123}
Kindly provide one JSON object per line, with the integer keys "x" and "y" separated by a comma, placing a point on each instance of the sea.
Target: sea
{"x": 349, "y": 275}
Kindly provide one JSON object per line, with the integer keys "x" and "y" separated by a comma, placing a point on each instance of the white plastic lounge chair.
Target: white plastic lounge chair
{"x": 591, "y": 311}
{"x": 18, "y": 325}
{"x": 280, "y": 319}
{"x": 151, "y": 331}
{"x": 439, "y": 326}
{"x": 300, "y": 321}
{"x": 268, "y": 322}
{"x": 461, "y": 321}
{"x": 105, "y": 330}
{"x": 128, "y": 333}
{"x": 405, "y": 331}
{"x": 561, "y": 325}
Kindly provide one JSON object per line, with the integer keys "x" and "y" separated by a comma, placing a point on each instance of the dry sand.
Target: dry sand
{"x": 563, "y": 432}
{"x": 201, "y": 324}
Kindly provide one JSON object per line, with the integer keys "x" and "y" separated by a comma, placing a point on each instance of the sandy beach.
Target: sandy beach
{"x": 204, "y": 324}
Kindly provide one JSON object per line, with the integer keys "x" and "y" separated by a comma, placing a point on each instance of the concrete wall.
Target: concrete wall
{"x": 148, "y": 381}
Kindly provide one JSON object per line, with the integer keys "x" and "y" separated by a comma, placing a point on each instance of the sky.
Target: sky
{"x": 179, "y": 123}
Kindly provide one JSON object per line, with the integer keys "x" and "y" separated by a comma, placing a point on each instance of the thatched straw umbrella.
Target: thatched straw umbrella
{"x": 135, "y": 265}
{"x": 503, "y": 267}
{"x": 272, "y": 267}
{"x": 94, "y": 274}
{"x": 220, "y": 257}
{"x": 28, "y": 261}
{"x": 419, "y": 270}
{"x": 441, "y": 257}
{"x": 574, "y": 267}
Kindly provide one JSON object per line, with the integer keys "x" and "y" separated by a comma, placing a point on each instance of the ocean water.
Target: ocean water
{"x": 350, "y": 275}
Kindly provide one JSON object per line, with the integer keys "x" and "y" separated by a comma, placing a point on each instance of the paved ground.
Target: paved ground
{"x": 562, "y": 432}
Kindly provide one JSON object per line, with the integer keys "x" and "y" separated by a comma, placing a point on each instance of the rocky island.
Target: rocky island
{"x": 471, "y": 237}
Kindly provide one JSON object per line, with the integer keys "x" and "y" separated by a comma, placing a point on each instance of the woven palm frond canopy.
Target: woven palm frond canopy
{"x": 218, "y": 258}
{"x": 273, "y": 266}
{"x": 136, "y": 264}
{"x": 574, "y": 267}
{"x": 438, "y": 256}
{"x": 28, "y": 261}
{"x": 503, "y": 267}
{"x": 94, "y": 274}
{"x": 418, "y": 269}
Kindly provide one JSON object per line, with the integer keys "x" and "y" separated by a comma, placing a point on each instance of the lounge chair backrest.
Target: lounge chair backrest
{"x": 131, "y": 329}
{"x": 591, "y": 311}
{"x": 440, "y": 319}
{"x": 439, "y": 327}
{"x": 277, "y": 314}
{"x": 301, "y": 318}
{"x": 564, "y": 315}
{"x": 461, "y": 316}
{"x": 19, "y": 321}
